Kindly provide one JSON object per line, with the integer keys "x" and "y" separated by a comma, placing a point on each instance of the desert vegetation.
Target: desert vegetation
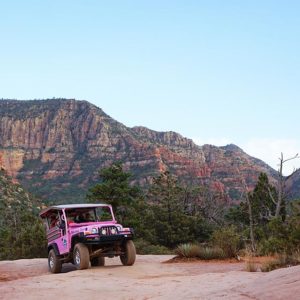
{"x": 21, "y": 232}
{"x": 281, "y": 261}
{"x": 171, "y": 217}
{"x": 199, "y": 251}
{"x": 195, "y": 222}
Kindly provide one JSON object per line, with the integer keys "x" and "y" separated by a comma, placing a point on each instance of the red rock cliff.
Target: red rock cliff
{"x": 55, "y": 148}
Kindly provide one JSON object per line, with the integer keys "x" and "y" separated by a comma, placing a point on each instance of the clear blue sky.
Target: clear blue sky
{"x": 215, "y": 71}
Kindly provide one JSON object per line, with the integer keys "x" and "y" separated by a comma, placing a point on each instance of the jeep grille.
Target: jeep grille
{"x": 108, "y": 230}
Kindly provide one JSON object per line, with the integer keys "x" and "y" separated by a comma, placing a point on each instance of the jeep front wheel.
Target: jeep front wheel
{"x": 54, "y": 263}
{"x": 128, "y": 258}
{"x": 98, "y": 261}
{"x": 81, "y": 256}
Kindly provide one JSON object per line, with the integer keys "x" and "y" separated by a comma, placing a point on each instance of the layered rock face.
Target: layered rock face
{"x": 293, "y": 185}
{"x": 56, "y": 147}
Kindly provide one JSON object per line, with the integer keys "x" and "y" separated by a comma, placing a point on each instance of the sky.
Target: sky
{"x": 216, "y": 71}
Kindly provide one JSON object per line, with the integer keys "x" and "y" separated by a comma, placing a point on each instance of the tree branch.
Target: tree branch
{"x": 271, "y": 196}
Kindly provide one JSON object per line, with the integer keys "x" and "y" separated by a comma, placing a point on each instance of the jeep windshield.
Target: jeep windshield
{"x": 87, "y": 214}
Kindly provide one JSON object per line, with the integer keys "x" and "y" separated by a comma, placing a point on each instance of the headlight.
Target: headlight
{"x": 113, "y": 231}
{"x": 103, "y": 231}
{"x": 94, "y": 230}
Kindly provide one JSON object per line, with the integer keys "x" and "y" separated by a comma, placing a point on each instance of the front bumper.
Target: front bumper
{"x": 98, "y": 240}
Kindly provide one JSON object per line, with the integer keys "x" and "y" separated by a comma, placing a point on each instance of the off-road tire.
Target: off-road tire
{"x": 98, "y": 261}
{"x": 81, "y": 256}
{"x": 128, "y": 258}
{"x": 54, "y": 264}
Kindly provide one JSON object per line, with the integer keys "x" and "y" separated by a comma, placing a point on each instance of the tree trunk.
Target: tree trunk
{"x": 251, "y": 227}
{"x": 280, "y": 187}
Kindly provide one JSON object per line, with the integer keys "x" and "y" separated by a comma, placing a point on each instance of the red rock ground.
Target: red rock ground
{"x": 149, "y": 278}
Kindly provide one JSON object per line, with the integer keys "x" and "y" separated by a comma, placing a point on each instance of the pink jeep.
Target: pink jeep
{"x": 84, "y": 233}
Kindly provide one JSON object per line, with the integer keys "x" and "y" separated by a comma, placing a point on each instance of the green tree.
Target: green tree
{"x": 171, "y": 222}
{"x": 228, "y": 239}
{"x": 21, "y": 231}
{"x": 262, "y": 201}
{"x": 281, "y": 237}
{"x": 205, "y": 202}
{"x": 166, "y": 193}
{"x": 114, "y": 188}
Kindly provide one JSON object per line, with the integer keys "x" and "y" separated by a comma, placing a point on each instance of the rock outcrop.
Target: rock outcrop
{"x": 56, "y": 147}
{"x": 293, "y": 185}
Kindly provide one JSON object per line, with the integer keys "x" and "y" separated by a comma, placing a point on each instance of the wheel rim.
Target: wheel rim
{"x": 51, "y": 262}
{"x": 77, "y": 258}
{"x": 123, "y": 257}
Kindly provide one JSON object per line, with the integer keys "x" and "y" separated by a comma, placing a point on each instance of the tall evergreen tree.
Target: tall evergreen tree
{"x": 167, "y": 194}
{"x": 21, "y": 231}
{"x": 114, "y": 188}
{"x": 261, "y": 199}
{"x": 172, "y": 224}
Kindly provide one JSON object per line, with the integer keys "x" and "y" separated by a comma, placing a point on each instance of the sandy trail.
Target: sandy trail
{"x": 149, "y": 278}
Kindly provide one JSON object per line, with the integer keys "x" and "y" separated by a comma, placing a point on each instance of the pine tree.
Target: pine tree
{"x": 114, "y": 188}
{"x": 172, "y": 224}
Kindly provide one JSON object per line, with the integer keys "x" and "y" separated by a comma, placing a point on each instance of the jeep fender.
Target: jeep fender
{"x": 54, "y": 247}
{"x": 76, "y": 239}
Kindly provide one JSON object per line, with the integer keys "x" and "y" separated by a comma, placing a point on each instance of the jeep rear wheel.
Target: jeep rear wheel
{"x": 81, "y": 256}
{"x": 128, "y": 258}
{"x": 98, "y": 261}
{"x": 54, "y": 263}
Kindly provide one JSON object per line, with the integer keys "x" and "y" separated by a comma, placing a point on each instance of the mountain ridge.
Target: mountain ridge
{"x": 55, "y": 147}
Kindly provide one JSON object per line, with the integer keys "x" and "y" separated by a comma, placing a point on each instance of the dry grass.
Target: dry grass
{"x": 208, "y": 253}
{"x": 281, "y": 261}
{"x": 270, "y": 263}
{"x": 251, "y": 266}
{"x": 190, "y": 251}
{"x": 187, "y": 250}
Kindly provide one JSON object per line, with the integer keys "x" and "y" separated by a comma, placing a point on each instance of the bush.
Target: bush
{"x": 281, "y": 261}
{"x": 270, "y": 265}
{"x": 187, "y": 250}
{"x": 228, "y": 240}
{"x": 198, "y": 251}
{"x": 272, "y": 245}
{"x": 207, "y": 253}
{"x": 144, "y": 247}
{"x": 281, "y": 237}
{"x": 251, "y": 266}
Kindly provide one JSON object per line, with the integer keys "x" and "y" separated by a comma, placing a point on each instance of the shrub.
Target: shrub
{"x": 270, "y": 265}
{"x": 281, "y": 237}
{"x": 143, "y": 247}
{"x": 187, "y": 250}
{"x": 207, "y": 253}
{"x": 251, "y": 266}
{"x": 228, "y": 240}
{"x": 198, "y": 251}
{"x": 281, "y": 261}
{"x": 272, "y": 245}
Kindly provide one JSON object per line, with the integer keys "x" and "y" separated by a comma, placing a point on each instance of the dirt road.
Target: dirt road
{"x": 149, "y": 278}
